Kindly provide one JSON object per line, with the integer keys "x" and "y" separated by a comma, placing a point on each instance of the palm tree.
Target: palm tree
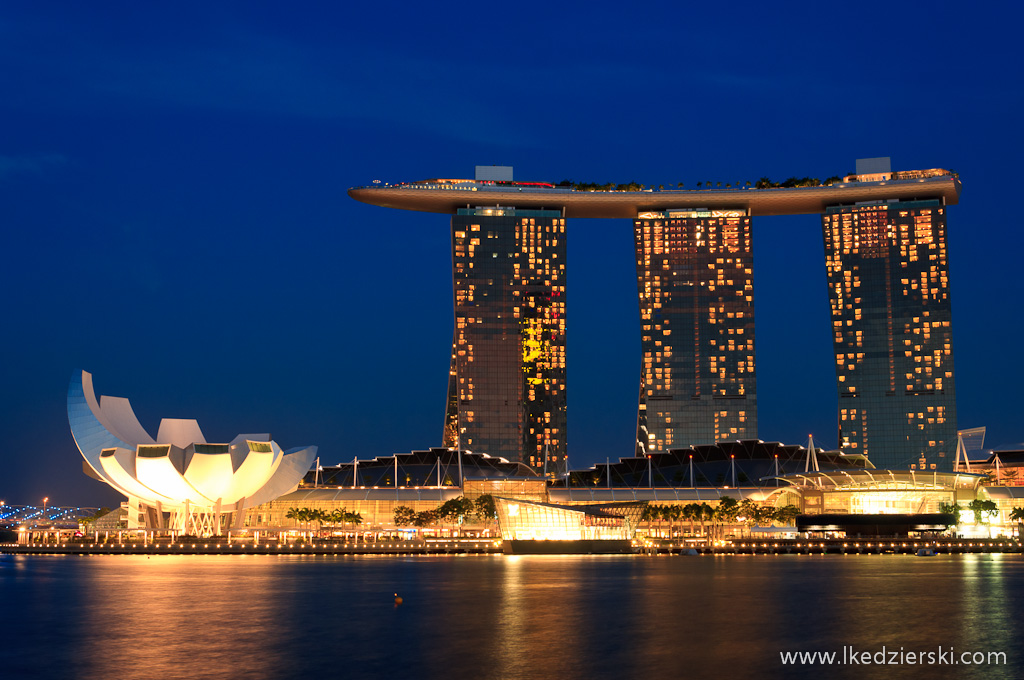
{"x": 647, "y": 515}
{"x": 338, "y": 515}
{"x": 300, "y": 515}
{"x": 691, "y": 511}
{"x": 317, "y": 515}
{"x": 675, "y": 513}
{"x": 353, "y": 518}
{"x": 707, "y": 513}
{"x": 1017, "y": 515}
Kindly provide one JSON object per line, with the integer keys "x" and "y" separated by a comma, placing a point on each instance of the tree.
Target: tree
{"x": 983, "y": 510}
{"x": 675, "y": 513}
{"x": 318, "y": 516}
{"x": 648, "y": 515}
{"x": 764, "y": 515}
{"x": 951, "y": 509}
{"x": 454, "y": 510}
{"x": 787, "y": 515}
{"x": 404, "y": 516}
{"x": 485, "y": 507}
{"x": 748, "y": 512}
{"x": 425, "y": 518}
{"x": 700, "y": 185}
{"x": 725, "y": 513}
{"x": 706, "y": 514}
{"x": 691, "y": 512}
{"x": 1017, "y": 515}
{"x": 300, "y": 515}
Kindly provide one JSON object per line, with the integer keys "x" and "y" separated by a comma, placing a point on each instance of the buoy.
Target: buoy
{"x": 398, "y": 600}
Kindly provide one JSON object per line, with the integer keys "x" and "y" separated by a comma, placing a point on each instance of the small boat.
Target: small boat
{"x": 926, "y": 552}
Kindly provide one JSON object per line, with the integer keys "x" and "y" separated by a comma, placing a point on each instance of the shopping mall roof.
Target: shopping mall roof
{"x": 868, "y": 479}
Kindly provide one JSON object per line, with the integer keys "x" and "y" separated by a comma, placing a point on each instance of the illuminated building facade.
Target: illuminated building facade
{"x": 888, "y": 280}
{"x": 506, "y": 389}
{"x": 694, "y": 273}
{"x": 695, "y": 281}
{"x": 178, "y": 481}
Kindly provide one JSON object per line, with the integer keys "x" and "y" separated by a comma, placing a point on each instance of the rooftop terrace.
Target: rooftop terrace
{"x": 447, "y": 196}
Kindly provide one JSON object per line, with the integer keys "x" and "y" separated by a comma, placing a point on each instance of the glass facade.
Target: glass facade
{"x": 888, "y": 281}
{"x": 507, "y": 390}
{"x": 522, "y": 520}
{"x": 695, "y": 281}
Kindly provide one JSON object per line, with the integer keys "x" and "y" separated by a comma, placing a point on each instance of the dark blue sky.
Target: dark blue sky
{"x": 172, "y": 188}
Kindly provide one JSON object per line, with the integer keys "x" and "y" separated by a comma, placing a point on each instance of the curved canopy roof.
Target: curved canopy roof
{"x": 871, "y": 479}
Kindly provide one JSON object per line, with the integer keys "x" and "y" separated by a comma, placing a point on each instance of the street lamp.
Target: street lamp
{"x": 44, "y": 507}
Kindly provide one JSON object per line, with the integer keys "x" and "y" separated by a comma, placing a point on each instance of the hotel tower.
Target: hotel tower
{"x": 506, "y": 385}
{"x": 888, "y": 281}
{"x": 695, "y": 283}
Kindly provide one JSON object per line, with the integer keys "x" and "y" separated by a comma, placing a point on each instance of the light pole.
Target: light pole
{"x": 44, "y": 514}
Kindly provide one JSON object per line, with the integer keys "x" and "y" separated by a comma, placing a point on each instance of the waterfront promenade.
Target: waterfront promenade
{"x": 236, "y": 547}
{"x": 833, "y": 546}
{"x": 477, "y": 546}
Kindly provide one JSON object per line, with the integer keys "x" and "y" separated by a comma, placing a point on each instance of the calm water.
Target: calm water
{"x": 500, "y": 617}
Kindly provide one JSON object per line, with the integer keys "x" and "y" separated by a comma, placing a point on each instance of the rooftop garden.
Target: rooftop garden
{"x": 763, "y": 183}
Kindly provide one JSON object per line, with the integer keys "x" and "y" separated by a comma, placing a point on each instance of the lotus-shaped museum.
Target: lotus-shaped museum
{"x": 178, "y": 472}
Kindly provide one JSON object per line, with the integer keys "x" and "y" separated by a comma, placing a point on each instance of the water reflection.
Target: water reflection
{"x": 144, "y": 617}
{"x": 494, "y": 617}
